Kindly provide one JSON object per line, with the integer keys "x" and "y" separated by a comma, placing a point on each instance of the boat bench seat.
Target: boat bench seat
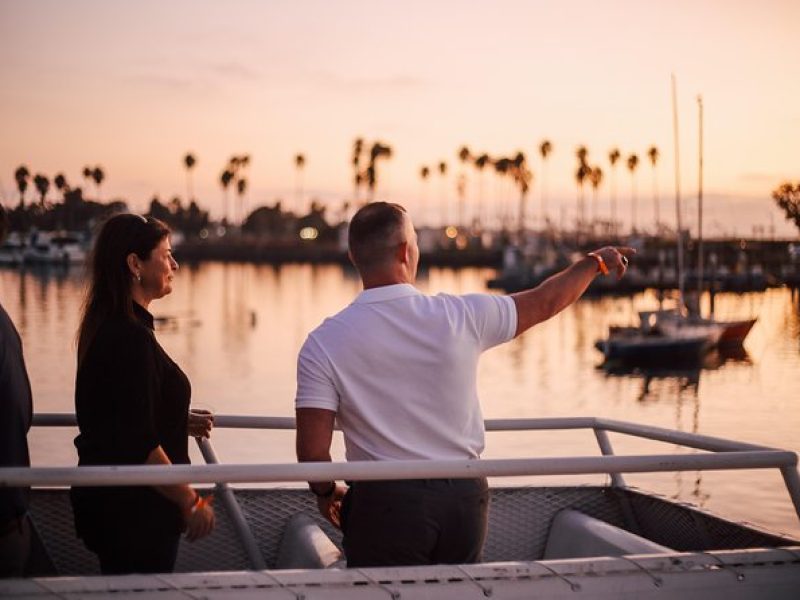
{"x": 305, "y": 546}
{"x": 573, "y": 534}
{"x": 576, "y": 535}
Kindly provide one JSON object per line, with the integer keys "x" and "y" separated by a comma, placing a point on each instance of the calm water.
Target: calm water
{"x": 236, "y": 329}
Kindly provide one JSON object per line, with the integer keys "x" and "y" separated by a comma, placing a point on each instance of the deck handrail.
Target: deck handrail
{"x": 400, "y": 469}
{"x": 691, "y": 440}
{"x": 725, "y": 454}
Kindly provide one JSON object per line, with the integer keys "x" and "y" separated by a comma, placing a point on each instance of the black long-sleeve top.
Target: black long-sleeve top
{"x": 16, "y": 412}
{"x": 130, "y": 397}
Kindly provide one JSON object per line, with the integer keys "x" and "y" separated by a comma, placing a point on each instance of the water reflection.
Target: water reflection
{"x": 685, "y": 376}
{"x": 236, "y": 330}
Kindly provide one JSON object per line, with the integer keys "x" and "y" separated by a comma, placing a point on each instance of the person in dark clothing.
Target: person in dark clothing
{"x": 132, "y": 404}
{"x": 16, "y": 410}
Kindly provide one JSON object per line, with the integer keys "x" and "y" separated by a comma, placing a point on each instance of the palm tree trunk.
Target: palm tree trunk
{"x": 656, "y": 207}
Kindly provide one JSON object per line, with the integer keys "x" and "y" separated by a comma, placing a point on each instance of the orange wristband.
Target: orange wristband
{"x": 198, "y": 502}
{"x": 601, "y": 264}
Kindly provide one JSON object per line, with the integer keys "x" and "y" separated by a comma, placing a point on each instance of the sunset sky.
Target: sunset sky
{"x": 133, "y": 86}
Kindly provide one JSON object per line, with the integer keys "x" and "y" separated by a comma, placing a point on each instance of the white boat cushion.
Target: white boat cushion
{"x": 576, "y": 535}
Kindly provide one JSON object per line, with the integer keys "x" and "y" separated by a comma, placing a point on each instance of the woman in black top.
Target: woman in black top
{"x": 132, "y": 404}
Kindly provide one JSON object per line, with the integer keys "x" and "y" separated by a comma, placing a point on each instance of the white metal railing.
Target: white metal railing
{"x": 725, "y": 455}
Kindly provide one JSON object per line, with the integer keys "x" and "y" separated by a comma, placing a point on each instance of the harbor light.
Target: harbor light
{"x": 309, "y": 233}
{"x": 451, "y": 232}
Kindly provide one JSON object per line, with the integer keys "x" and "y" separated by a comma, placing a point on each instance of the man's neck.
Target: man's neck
{"x": 384, "y": 279}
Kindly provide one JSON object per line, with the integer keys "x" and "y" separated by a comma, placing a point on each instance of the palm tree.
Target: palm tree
{"x": 580, "y": 177}
{"x": 424, "y": 173}
{"x": 42, "y": 185}
{"x": 581, "y": 174}
{"x": 225, "y": 180}
{"x": 376, "y": 152}
{"x": 480, "y": 163}
{"x": 241, "y": 188}
{"x": 545, "y": 148}
{"x": 87, "y": 177}
{"x": 652, "y": 153}
{"x": 237, "y": 166}
{"x": 98, "y": 176}
{"x": 358, "y": 178}
{"x": 522, "y": 177}
{"x": 61, "y": 184}
{"x": 299, "y": 163}
{"x": 464, "y": 156}
{"x": 442, "y": 166}
{"x": 633, "y": 162}
{"x": 189, "y": 162}
{"x": 502, "y": 167}
{"x": 595, "y": 178}
{"x": 613, "y": 157}
{"x": 21, "y": 176}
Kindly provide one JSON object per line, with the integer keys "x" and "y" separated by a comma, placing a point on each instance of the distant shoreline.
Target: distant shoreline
{"x": 318, "y": 253}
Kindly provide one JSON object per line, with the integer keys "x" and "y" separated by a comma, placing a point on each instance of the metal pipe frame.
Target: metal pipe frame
{"x": 400, "y": 469}
{"x": 728, "y": 454}
{"x": 238, "y": 519}
{"x": 692, "y": 440}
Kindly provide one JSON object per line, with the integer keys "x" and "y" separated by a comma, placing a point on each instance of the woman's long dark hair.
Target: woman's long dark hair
{"x": 109, "y": 293}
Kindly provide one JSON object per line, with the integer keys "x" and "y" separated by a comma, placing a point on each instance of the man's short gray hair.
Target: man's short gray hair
{"x": 373, "y": 234}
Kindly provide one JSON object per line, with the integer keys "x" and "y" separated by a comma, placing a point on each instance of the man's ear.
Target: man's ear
{"x": 402, "y": 254}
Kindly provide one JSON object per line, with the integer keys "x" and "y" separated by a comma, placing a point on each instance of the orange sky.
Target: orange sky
{"x": 133, "y": 86}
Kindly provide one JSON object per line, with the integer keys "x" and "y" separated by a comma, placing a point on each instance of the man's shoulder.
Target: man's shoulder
{"x": 473, "y": 301}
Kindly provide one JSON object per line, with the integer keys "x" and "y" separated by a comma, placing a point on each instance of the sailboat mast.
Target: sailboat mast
{"x": 677, "y": 193}
{"x": 700, "y": 207}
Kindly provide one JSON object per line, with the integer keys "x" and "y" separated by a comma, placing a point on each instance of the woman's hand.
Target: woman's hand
{"x": 201, "y": 421}
{"x": 200, "y": 518}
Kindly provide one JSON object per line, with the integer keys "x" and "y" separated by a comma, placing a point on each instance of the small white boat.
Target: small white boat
{"x": 730, "y": 332}
{"x": 659, "y": 341}
{"x": 12, "y": 250}
{"x": 55, "y": 249}
{"x": 605, "y": 542}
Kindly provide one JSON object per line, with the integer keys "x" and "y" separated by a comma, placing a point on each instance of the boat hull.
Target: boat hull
{"x": 654, "y": 349}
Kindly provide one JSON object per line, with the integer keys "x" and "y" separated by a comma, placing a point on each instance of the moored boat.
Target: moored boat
{"x": 731, "y": 332}
{"x": 54, "y": 249}
{"x": 11, "y": 251}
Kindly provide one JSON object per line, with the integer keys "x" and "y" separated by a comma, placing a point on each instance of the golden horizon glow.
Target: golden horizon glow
{"x": 135, "y": 86}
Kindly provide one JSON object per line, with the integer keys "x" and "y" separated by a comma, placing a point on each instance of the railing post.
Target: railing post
{"x": 792, "y": 480}
{"x": 234, "y": 510}
{"x": 605, "y": 447}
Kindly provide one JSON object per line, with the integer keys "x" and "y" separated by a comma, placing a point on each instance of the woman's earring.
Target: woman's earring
{"x": 138, "y": 278}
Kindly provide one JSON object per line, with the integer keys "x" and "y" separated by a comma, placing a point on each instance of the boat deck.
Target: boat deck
{"x": 680, "y": 551}
{"x": 519, "y": 525}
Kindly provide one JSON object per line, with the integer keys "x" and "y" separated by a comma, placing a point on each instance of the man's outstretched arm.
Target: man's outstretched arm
{"x": 562, "y": 289}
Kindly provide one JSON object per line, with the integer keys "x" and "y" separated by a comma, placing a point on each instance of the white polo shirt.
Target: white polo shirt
{"x": 399, "y": 368}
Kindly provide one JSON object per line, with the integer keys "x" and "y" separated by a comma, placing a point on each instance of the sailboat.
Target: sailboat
{"x": 732, "y": 333}
{"x": 664, "y": 336}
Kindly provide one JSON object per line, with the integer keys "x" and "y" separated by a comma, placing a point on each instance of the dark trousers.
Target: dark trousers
{"x": 15, "y": 546}
{"x": 136, "y": 553}
{"x": 415, "y": 522}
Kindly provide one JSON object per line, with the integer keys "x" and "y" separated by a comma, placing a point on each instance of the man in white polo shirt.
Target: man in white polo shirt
{"x": 397, "y": 369}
